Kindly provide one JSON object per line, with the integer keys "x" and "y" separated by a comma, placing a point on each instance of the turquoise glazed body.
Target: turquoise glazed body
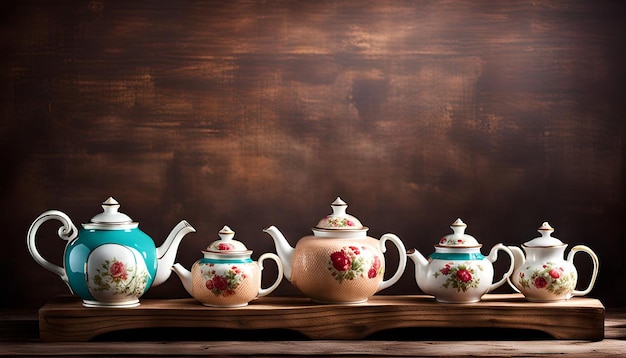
{"x": 129, "y": 241}
{"x": 109, "y": 262}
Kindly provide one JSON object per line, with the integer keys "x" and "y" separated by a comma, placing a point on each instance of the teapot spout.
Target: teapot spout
{"x": 283, "y": 249}
{"x": 185, "y": 277}
{"x": 166, "y": 253}
{"x": 419, "y": 259}
{"x": 421, "y": 266}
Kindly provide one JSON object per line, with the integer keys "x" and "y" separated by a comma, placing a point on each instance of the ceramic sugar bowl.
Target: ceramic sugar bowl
{"x": 543, "y": 275}
{"x": 457, "y": 272}
{"x": 339, "y": 263}
{"x": 226, "y": 276}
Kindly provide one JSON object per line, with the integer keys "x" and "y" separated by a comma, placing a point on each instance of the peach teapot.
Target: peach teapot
{"x": 543, "y": 275}
{"x": 109, "y": 262}
{"x": 226, "y": 276}
{"x": 339, "y": 263}
{"x": 457, "y": 272}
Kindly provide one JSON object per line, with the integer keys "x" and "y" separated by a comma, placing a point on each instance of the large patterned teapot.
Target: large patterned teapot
{"x": 109, "y": 262}
{"x": 339, "y": 263}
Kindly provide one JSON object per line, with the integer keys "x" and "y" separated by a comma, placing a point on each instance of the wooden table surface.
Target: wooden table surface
{"x": 64, "y": 318}
{"x": 19, "y": 336}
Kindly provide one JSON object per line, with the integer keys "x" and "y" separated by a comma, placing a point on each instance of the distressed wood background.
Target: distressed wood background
{"x": 258, "y": 113}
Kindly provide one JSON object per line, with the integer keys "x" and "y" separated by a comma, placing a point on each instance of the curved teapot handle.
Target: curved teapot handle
{"x": 279, "y": 265}
{"x": 401, "y": 264}
{"x": 66, "y": 232}
{"x": 519, "y": 260}
{"x": 493, "y": 256}
{"x": 594, "y": 274}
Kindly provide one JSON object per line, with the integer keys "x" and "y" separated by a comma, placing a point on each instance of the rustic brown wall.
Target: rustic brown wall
{"x": 253, "y": 113}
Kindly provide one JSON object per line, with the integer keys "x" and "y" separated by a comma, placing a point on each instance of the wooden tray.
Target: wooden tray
{"x": 65, "y": 319}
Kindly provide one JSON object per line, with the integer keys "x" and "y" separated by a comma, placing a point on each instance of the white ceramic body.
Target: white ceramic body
{"x": 543, "y": 275}
{"x": 458, "y": 275}
{"x": 230, "y": 283}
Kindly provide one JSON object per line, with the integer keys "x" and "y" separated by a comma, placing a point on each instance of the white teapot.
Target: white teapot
{"x": 543, "y": 275}
{"x": 457, "y": 272}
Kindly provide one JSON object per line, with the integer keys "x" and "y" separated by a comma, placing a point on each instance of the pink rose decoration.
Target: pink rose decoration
{"x": 540, "y": 282}
{"x": 355, "y": 250}
{"x": 463, "y": 275}
{"x": 220, "y": 283}
{"x": 209, "y": 284}
{"x": 373, "y": 271}
{"x": 225, "y": 247}
{"x": 554, "y": 273}
{"x": 341, "y": 261}
{"x": 445, "y": 270}
{"x": 118, "y": 270}
{"x": 376, "y": 264}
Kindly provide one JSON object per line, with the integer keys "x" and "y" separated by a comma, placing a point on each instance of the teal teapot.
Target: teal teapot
{"x": 109, "y": 262}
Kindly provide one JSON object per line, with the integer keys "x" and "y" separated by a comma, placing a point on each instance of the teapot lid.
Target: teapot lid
{"x": 339, "y": 220}
{"x": 459, "y": 238}
{"x": 110, "y": 217}
{"x": 545, "y": 239}
{"x": 226, "y": 244}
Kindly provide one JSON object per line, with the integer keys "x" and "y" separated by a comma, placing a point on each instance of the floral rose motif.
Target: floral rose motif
{"x": 339, "y": 222}
{"x": 341, "y": 261}
{"x": 225, "y": 246}
{"x": 117, "y": 277}
{"x": 462, "y": 276}
{"x": 554, "y": 273}
{"x": 224, "y": 283}
{"x": 220, "y": 283}
{"x": 540, "y": 282}
{"x": 375, "y": 269}
{"x": 118, "y": 271}
{"x": 445, "y": 270}
{"x": 548, "y": 276}
{"x": 352, "y": 262}
{"x": 452, "y": 241}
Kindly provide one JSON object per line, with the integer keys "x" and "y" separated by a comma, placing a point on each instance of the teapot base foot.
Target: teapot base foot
{"x": 125, "y": 304}
{"x": 226, "y": 306}
{"x": 338, "y": 302}
{"x": 535, "y": 300}
{"x": 457, "y": 302}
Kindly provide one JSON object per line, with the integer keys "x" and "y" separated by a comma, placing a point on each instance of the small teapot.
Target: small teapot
{"x": 226, "y": 276}
{"x": 339, "y": 263}
{"x": 457, "y": 272}
{"x": 543, "y": 275}
{"x": 110, "y": 262}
